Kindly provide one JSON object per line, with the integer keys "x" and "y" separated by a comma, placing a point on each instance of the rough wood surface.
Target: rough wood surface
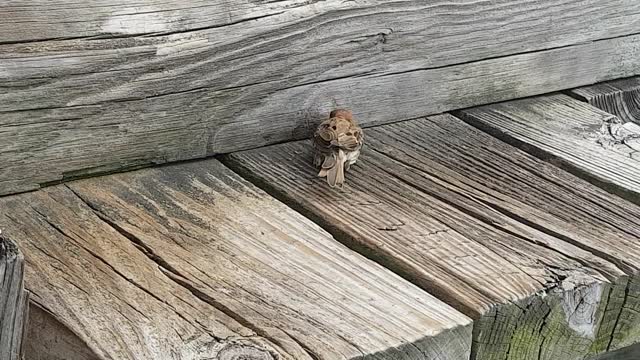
{"x": 99, "y": 284}
{"x": 185, "y": 261}
{"x": 103, "y": 86}
{"x": 620, "y": 98}
{"x": 574, "y": 135}
{"x": 544, "y": 261}
{"x": 59, "y": 19}
{"x": 13, "y": 300}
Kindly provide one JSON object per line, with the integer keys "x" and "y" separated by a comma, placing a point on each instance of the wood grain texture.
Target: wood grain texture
{"x": 59, "y": 19}
{"x": 13, "y": 300}
{"x": 100, "y": 286}
{"x": 123, "y": 86}
{"x": 620, "y": 98}
{"x": 191, "y": 256}
{"x": 516, "y": 243}
{"x": 574, "y": 135}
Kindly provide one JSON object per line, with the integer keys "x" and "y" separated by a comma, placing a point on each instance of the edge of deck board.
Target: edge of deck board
{"x": 567, "y": 133}
{"x": 618, "y": 97}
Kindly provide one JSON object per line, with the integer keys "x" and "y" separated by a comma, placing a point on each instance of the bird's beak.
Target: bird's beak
{"x": 334, "y": 142}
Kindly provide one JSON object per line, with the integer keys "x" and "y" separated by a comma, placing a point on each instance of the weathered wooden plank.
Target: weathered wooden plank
{"x": 13, "y": 300}
{"x": 163, "y": 263}
{"x": 84, "y": 106}
{"x": 518, "y": 19}
{"x": 110, "y": 294}
{"x": 29, "y": 21}
{"x": 573, "y": 135}
{"x": 512, "y": 241}
{"x": 620, "y": 98}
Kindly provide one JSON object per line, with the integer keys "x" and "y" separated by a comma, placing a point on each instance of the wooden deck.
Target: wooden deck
{"x": 502, "y": 236}
{"x": 156, "y": 176}
{"x": 446, "y": 243}
{"x": 192, "y": 262}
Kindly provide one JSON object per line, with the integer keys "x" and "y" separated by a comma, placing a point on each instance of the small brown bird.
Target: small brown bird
{"x": 337, "y": 143}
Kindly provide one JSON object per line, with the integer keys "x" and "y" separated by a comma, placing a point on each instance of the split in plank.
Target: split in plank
{"x": 572, "y": 134}
{"x": 14, "y": 300}
{"x": 185, "y": 261}
{"x": 237, "y": 76}
{"x": 546, "y": 262}
{"x": 557, "y": 23}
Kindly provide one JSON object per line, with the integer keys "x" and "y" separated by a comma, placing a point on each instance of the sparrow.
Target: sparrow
{"x": 337, "y": 143}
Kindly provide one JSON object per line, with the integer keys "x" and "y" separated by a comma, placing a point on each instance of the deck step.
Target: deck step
{"x": 192, "y": 262}
{"x": 544, "y": 261}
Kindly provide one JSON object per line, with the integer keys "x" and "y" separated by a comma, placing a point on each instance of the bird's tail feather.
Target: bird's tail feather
{"x": 335, "y": 175}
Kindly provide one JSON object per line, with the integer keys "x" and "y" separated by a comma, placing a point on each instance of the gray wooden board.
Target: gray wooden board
{"x": 189, "y": 261}
{"x": 124, "y": 86}
{"x": 574, "y": 135}
{"x": 28, "y": 21}
{"x": 620, "y": 98}
{"x": 13, "y": 300}
{"x": 506, "y": 238}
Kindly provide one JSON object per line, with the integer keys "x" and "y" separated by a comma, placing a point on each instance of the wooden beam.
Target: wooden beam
{"x": 519, "y": 20}
{"x": 504, "y": 237}
{"x": 620, "y": 98}
{"x": 191, "y": 261}
{"x": 576, "y": 136}
{"x": 122, "y": 87}
{"x": 13, "y": 300}
{"x": 105, "y": 290}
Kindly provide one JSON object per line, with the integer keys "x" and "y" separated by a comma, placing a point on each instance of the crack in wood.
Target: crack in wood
{"x": 61, "y": 231}
{"x": 109, "y": 36}
{"x": 540, "y": 332}
{"x": 622, "y": 309}
{"x": 168, "y": 270}
{"x": 352, "y": 243}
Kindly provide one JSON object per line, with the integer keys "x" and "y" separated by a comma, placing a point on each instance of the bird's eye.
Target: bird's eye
{"x": 349, "y": 133}
{"x": 334, "y": 127}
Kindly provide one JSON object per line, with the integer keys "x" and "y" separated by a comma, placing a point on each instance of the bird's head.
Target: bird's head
{"x": 342, "y": 113}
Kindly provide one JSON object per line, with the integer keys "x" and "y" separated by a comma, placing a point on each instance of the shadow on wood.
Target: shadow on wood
{"x": 49, "y": 339}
